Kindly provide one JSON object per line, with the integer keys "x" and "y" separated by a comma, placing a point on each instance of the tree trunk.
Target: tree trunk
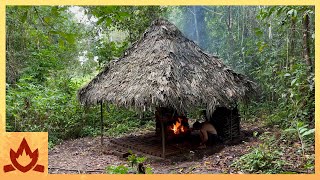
{"x": 196, "y": 24}
{"x": 239, "y": 12}
{"x": 292, "y": 43}
{"x": 229, "y": 23}
{"x": 287, "y": 62}
{"x": 243, "y": 24}
{"x": 270, "y": 30}
{"x": 306, "y": 36}
{"x": 229, "y": 27}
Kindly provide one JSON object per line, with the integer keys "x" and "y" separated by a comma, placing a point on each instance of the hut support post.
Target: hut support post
{"x": 101, "y": 122}
{"x": 231, "y": 125}
{"x": 163, "y": 140}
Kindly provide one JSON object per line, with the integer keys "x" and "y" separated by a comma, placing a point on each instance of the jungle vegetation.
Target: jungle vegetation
{"x": 52, "y": 51}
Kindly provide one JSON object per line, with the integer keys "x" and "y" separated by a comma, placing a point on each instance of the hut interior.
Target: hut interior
{"x": 177, "y": 127}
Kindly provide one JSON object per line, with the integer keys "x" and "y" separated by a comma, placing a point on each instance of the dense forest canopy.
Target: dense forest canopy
{"x": 51, "y": 51}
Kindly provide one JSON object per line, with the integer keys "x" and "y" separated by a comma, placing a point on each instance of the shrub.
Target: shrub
{"x": 53, "y": 107}
{"x": 262, "y": 159}
{"x": 131, "y": 167}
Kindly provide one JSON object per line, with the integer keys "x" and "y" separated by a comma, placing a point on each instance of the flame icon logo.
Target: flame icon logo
{"x": 25, "y": 152}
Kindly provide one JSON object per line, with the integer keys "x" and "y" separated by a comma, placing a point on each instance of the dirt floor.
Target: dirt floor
{"x": 85, "y": 156}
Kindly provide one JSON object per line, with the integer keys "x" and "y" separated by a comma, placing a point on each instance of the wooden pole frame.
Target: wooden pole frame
{"x": 163, "y": 140}
{"x": 231, "y": 118}
{"x": 101, "y": 122}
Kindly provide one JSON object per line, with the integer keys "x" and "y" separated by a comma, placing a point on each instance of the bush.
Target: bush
{"x": 260, "y": 160}
{"x": 263, "y": 159}
{"x": 53, "y": 107}
{"x": 117, "y": 169}
{"x": 131, "y": 167}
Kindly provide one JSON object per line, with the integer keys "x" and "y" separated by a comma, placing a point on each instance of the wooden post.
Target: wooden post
{"x": 101, "y": 122}
{"x": 163, "y": 141}
{"x": 231, "y": 125}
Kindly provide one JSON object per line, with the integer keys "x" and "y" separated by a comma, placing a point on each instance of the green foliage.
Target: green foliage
{"x": 304, "y": 134}
{"x": 33, "y": 34}
{"x": 268, "y": 156}
{"x": 44, "y": 72}
{"x": 293, "y": 97}
{"x": 50, "y": 56}
{"x": 54, "y": 108}
{"x": 32, "y": 107}
{"x": 131, "y": 167}
{"x": 260, "y": 160}
{"x": 302, "y": 130}
{"x": 286, "y": 92}
{"x": 128, "y": 21}
{"x": 123, "y": 121}
{"x": 135, "y": 160}
{"x": 117, "y": 169}
{"x": 263, "y": 159}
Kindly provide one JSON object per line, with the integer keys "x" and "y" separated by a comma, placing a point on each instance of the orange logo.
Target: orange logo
{"x": 24, "y": 159}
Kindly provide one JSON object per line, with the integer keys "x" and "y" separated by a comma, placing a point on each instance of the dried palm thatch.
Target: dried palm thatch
{"x": 165, "y": 69}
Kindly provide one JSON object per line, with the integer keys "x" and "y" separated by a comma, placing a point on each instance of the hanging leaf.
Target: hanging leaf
{"x": 309, "y": 132}
{"x": 303, "y": 129}
{"x": 293, "y": 81}
{"x": 300, "y": 124}
{"x": 290, "y": 130}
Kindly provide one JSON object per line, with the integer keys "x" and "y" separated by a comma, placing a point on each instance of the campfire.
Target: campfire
{"x": 178, "y": 127}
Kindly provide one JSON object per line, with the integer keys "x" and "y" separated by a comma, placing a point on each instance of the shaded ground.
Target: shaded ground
{"x": 85, "y": 155}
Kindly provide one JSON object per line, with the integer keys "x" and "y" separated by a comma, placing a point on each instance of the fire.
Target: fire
{"x": 24, "y": 159}
{"x": 182, "y": 129}
{"x": 177, "y": 127}
{"x": 24, "y": 156}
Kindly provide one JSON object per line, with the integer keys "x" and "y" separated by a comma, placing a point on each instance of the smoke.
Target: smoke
{"x": 191, "y": 21}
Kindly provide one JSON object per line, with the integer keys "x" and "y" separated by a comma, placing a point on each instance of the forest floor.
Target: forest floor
{"x": 84, "y": 156}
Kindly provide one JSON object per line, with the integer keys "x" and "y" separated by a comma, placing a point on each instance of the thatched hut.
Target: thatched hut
{"x": 165, "y": 69}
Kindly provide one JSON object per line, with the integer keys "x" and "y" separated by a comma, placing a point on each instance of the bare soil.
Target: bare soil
{"x": 86, "y": 156}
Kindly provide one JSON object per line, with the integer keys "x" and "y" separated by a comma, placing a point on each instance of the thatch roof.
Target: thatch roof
{"x": 165, "y": 69}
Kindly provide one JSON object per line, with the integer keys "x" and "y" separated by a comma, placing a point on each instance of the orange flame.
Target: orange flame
{"x": 177, "y": 127}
